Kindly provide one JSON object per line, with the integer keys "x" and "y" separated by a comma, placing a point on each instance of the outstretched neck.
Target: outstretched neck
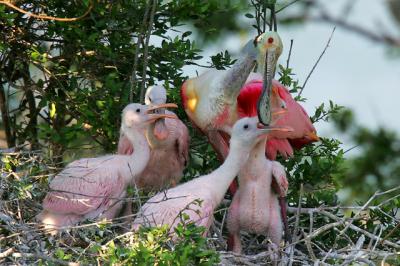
{"x": 258, "y": 152}
{"x": 236, "y": 76}
{"x": 140, "y": 156}
{"x": 220, "y": 179}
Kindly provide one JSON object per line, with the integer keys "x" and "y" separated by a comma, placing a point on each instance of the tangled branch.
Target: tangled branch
{"x": 46, "y": 17}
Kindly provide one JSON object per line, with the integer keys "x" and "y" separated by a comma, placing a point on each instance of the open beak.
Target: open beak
{"x": 264, "y": 130}
{"x": 154, "y": 117}
{"x": 159, "y": 106}
{"x": 263, "y": 104}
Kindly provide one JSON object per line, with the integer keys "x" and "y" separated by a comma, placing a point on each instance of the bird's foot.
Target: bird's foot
{"x": 273, "y": 250}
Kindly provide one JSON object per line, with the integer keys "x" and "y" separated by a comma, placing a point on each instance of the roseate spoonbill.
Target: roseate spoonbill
{"x": 215, "y": 100}
{"x": 248, "y": 211}
{"x": 92, "y": 188}
{"x": 169, "y": 142}
{"x": 165, "y": 207}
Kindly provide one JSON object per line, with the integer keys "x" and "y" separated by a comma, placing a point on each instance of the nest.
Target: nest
{"x": 325, "y": 235}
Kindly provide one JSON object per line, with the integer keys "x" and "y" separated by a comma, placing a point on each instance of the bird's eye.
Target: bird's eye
{"x": 138, "y": 110}
{"x": 246, "y": 126}
{"x": 270, "y": 40}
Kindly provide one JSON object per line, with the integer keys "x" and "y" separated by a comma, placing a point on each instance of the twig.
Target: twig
{"x": 397, "y": 227}
{"x": 44, "y": 257}
{"x": 374, "y": 35}
{"x": 290, "y": 53}
{"x": 11, "y": 5}
{"x": 284, "y": 7}
{"x": 296, "y": 226}
{"x": 359, "y": 212}
{"x": 6, "y": 253}
{"x": 316, "y": 63}
{"x": 146, "y": 48}
{"x": 137, "y": 48}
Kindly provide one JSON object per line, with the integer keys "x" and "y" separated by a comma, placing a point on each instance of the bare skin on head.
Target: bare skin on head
{"x": 169, "y": 142}
{"x": 93, "y": 188}
{"x": 165, "y": 207}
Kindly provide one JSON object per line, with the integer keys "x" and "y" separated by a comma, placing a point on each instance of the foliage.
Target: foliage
{"x": 155, "y": 247}
{"x": 65, "y": 84}
{"x": 375, "y": 162}
{"x": 71, "y": 80}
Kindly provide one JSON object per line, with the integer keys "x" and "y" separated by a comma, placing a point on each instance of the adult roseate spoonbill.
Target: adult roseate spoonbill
{"x": 94, "y": 187}
{"x": 165, "y": 207}
{"x": 248, "y": 211}
{"x": 215, "y": 100}
{"x": 169, "y": 142}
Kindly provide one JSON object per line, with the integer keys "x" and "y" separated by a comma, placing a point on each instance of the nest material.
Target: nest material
{"x": 324, "y": 235}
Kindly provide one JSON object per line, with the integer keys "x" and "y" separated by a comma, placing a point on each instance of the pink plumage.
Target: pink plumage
{"x": 165, "y": 207}
{"x": 296, "y": 117}
{"x": 94, "y": 188}
{"x": 169, "y": 142}
{"x": 255, "y": 206}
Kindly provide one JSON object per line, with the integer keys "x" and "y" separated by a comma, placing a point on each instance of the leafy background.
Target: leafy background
{"x": 63, "y": 86}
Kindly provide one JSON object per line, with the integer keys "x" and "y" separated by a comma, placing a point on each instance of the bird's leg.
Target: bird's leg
{"x": 233, "y": 224}
{"x": 274, "y": 231}
{"x": 280, "y": 186}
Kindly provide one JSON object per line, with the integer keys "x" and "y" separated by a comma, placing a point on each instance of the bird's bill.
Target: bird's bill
{"x": 278, "y": 113}
{"x": 154, "y": 117}
{"x": 270, "y": 66}
{"x": 159, "y": 106}
{"x": 265, "y": 130}
{"x": 264, "y": 102}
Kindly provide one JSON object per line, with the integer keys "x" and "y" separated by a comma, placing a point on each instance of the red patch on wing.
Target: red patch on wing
{"x": 223, "y": 117}
{"x": 247, "y": 107}
{"x": 248, "y": 97}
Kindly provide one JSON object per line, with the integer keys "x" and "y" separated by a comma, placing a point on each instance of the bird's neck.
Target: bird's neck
{"x": 151, "y": 138}
{"x": 258, "y": 151}
{"x": 237, "y": 75}
{"x": 140, "y": 156}
{"x": 220, "y": 179}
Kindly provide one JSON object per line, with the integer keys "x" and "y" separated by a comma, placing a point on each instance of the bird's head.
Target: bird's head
{"x": 248, "y": 131}
{"x": 155, "y": 95}
{"x": 269, "y": 46}
{"x": 138, "y": 117}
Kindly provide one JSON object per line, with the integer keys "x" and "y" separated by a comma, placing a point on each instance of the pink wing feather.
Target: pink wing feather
{"x": 81, "y": 189}
{"x": 295, "y": 117}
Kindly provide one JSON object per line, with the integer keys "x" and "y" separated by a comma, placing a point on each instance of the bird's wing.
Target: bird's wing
{"x": 275, "y": 145}
{"x": 125, "y": 147}
{"x": 80, "y": 190}
{"x": 295, "y": 117}
{"x": 166, "y": 209}
{"x": 279, "y": 174}
{"x": 183, "y": 142}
